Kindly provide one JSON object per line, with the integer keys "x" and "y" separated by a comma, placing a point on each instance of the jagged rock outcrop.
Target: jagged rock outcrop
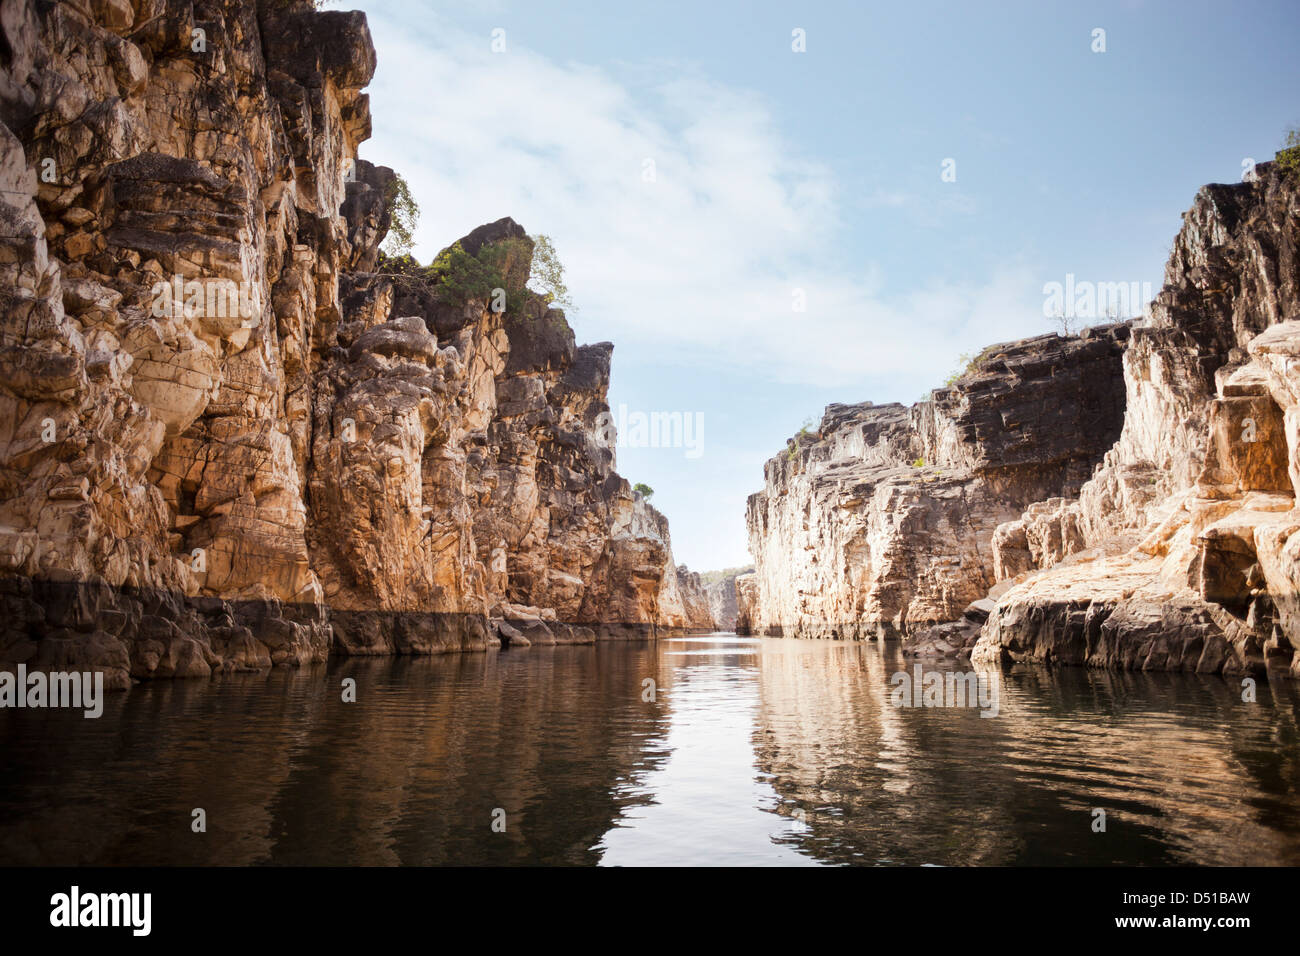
{"x": 697, "y": 609}
{"x": 723, "y": 605}
{"x": 881, "y": 521}
{"x": 230, "y": 437}
{"x": 1183, "y": 551}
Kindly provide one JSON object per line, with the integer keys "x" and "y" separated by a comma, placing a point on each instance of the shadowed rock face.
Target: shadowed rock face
{"x": 1183, "y": 551}
{"x": 227, "y": 438}
{"x": 746, "y": 602}
{"x": 723, "y": 602}
{"x": 881, "y": 521}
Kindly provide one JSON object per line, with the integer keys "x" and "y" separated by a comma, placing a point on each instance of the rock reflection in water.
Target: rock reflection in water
{"x": 748, "y": 751}
{"x": 409, "y": 774}
{"x": 1186, "y": 772}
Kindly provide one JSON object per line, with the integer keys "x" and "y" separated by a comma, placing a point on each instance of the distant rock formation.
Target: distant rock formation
{"x": 720, "y": 589}
{"x": 697, "y": 609}
{"x": 324, "y": 455}
{"x": 722, "y": 602}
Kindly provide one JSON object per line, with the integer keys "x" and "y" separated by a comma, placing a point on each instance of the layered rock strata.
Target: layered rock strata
{"x": 723, "y": 601}
{"x": 881, "y": 521}
{"x": 231, "y": 436}
{"x": 1183, "y": 551}
{"x": 1180, "y": 550}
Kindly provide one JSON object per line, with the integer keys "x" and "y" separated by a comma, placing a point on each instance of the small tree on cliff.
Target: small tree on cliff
{"x": 1288, "y": 157}
{"x": 807, "y": 430}
{"x": 548, "y": 274}
{"x": 403, "y": 215}
{"x": 644, "y": 490}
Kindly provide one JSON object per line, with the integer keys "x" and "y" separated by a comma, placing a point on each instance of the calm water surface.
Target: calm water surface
{"x": 750, "y": 752}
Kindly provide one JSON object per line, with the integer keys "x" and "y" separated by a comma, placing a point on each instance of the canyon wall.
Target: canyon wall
{"x": 881, "y": 520}
{"x": 231, "y": 433}
{"x": 746, "y": 602}
{"x": 1123, "y": 499}
{"x": 1183, "y": 551}
{"x": 723, "y": 603}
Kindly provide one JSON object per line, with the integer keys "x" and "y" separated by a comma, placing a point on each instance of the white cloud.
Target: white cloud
{"x": 701, "y": 263}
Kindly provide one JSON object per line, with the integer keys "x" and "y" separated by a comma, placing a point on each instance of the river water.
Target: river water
{"x": 704, "y": 750}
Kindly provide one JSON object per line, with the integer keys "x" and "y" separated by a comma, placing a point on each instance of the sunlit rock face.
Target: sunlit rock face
{"x": 697, "y": 608}
{"x": 227, "y": 441}
{"x": 881, "y": 520}
{"x": 1183, "y": 551}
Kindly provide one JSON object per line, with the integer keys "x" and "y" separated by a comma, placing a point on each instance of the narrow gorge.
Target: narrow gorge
{"x": 326, "y": 543}
{"x": 368, "y": 457}
{"x": 1120, "y": 498}
{"x": 361, "y": 459}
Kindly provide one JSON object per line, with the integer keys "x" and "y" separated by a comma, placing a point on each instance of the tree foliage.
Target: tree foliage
{"x": 807, "y": 430}
{"x": 494, "y": 276}
{"x": 713, "y": 577}
{"x": 504, "y": 274}
{"x": 404, "y": 216}
{"x": 547, "y": 276}
{"x": 1288, "y": 158}
{"x": 971, "y": 363}
{"x": 644, "y": 490}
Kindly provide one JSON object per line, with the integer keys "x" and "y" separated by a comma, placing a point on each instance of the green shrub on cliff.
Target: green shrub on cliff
{"x": 461, "y": 276}
{"x": 644, "y": 490}
{"x": 1288, "y": 157}
{"x": 495, "y": 276}
{"x": 499, "y": 274}
{"x": 970, "y": 363}
{"x": 807, "y": 430}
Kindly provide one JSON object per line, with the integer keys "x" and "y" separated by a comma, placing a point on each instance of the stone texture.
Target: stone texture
{"x": 723, "y": 601}
{"x": 1183, "y": 551}
{"x": 1180, "y": 550}
{"x": 332, "y": 458}
{"x": 697, "y": 608}
{"x": 881, "y": 521}
{"x": 746, "y": 602}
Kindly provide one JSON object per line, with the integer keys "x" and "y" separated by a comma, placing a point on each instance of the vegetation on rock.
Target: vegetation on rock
{"x": 404, "y": 216}
{"x": 1288, "y": 158}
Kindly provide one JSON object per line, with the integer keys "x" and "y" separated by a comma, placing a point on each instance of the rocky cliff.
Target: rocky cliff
{"x": 881, "y": 520}
{"x": 747, "y": 612}
{"x": 231, "y": 434}
{"x": 1121, "y": 499}
{"x": 723, "y": 604}
{"x": 1183, "y": 551}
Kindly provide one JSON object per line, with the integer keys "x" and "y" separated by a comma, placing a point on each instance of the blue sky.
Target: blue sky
{"x": 776, "y": 171}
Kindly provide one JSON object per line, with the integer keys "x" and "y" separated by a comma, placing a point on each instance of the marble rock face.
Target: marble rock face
{"x": 724, "y": 602}
{"x": 1183, "y": 550}
{"x": 229, "y": 438}
{"x": 880, "y": 521}
{"x": 1123, "y": 499}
